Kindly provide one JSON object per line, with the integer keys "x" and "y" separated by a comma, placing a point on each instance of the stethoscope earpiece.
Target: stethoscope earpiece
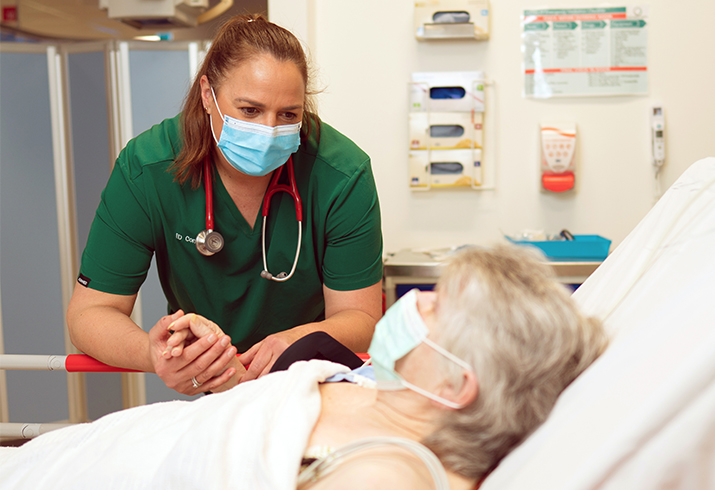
{"x": 209, "y": 242}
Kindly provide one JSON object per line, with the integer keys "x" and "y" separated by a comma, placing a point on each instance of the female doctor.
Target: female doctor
{"x": 262, "y": 218}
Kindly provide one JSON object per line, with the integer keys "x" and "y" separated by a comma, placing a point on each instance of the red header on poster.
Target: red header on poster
{"x": 9, "y": 14}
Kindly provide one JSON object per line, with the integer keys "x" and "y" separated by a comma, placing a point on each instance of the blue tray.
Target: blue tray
{"x": 583, "y": 248}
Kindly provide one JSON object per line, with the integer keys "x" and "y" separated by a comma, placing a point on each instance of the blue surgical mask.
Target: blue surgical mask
{"x": 399, "y": 331}
{"x": 255, "y": 149}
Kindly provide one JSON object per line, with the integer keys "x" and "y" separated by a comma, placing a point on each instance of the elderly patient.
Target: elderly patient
{"x": 467, "y": 371}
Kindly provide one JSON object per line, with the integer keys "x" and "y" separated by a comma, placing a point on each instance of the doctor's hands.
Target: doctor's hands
{"x": 263, "y": 355}
{"x": 350, "y": 318}
{"x": 190, "y": 346}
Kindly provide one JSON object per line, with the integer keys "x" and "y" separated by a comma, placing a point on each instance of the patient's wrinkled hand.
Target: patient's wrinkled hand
{"x": 186, "y": 330}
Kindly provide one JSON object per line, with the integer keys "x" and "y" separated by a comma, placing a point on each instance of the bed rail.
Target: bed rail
{"x": 26, "y": 431}
{"x": 72, "y": 363}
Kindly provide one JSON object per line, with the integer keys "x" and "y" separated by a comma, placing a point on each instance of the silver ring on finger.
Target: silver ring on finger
{"x": 194, "y": 382}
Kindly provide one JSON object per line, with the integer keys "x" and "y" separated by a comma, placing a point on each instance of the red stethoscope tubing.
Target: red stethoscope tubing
{"x": 208, "y": 184}
{"x": 291, "y": 189}
{"x": 273, "y": 187}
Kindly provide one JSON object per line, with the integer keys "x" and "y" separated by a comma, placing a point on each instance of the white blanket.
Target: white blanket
{"x": 252, "y": 436}
{"x": 643, "y": 416}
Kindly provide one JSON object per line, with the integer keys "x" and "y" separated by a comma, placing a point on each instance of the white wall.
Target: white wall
{"x": 365, "y": 51}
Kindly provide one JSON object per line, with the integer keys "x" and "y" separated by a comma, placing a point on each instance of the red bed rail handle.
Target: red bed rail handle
{"x": 82, "y": 363}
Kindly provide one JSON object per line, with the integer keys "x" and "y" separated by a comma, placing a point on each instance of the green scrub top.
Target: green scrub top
{"x": 144, "y": 212}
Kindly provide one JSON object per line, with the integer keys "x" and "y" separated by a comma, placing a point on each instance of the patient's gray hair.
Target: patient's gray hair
{"x": 502, "y": 311}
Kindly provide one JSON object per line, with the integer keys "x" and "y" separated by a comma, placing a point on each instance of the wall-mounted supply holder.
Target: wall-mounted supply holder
{"x": 461, "y": 91}
{"x": 451, "y": 19}
{"x": 445, "y": 168}
{"x": 558, "y": 145}
{"x": 446, "y": 125}
{"x": 446, "y": 130}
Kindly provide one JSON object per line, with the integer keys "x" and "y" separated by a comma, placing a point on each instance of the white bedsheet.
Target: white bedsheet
{"x": 250, "y": 437}
{"x": 643, "y": 416}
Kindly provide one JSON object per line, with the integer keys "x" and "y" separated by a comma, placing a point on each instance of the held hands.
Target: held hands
{"x": 190, "y": 347}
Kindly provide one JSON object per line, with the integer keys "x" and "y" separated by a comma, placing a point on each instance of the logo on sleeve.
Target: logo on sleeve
{"x": 83, "y": 280}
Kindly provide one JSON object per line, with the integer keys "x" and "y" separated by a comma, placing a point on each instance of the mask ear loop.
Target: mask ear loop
{"x": 432, "y": 396}
{"x": 461, "y": 363}
{"x": 211, "y": 125}
{"x": 448, "y": 354}
{"x": 210, "y": 119}
{"x": 216, "y": 102}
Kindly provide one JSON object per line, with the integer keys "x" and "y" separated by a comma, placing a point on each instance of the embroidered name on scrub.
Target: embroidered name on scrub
{"x": 186, "y": 238}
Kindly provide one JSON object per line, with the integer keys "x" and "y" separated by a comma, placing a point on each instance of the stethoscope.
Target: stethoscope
{"x": 209, "y": 241}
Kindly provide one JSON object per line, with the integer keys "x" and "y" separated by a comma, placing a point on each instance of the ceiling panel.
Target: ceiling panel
{"x": 84, "y": 20}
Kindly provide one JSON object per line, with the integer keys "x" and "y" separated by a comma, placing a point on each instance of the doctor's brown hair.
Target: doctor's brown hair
{"x": 241, "y": 38}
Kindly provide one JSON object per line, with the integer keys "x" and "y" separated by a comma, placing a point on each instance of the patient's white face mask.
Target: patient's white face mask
{"x": 396, "y": 334}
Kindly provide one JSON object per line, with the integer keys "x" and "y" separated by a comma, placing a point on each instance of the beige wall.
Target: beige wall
{"x": 365, "y": 52}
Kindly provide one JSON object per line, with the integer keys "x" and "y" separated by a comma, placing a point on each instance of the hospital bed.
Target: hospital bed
{"x": 72, "y": 363}
{"x": 643, "y": 415}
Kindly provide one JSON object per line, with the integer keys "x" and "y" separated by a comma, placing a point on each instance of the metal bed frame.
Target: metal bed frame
{"x": 72, "y": 363}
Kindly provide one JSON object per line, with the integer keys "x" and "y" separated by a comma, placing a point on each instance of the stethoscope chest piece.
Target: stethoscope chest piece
{"x": 209, "y": 242}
